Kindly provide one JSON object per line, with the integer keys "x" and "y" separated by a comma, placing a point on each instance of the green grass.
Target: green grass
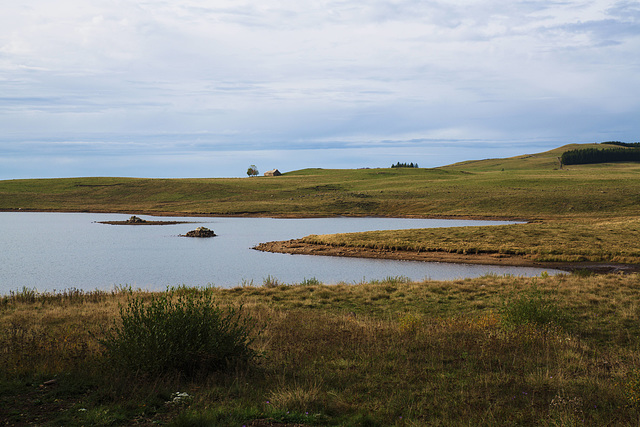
{"x": 489, "y": 351}
{"x": 522, "y": 187}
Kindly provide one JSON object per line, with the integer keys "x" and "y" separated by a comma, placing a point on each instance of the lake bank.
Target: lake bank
{"x": 300, "y": 247}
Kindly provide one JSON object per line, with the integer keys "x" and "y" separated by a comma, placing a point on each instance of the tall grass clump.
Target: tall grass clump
{"x": 186, "y": 333}
{"x": 270, "y": 282}
{"x": 310, "y": 282}
{"x": 533, "y": 307}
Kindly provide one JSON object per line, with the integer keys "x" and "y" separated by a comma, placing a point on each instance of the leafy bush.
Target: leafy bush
{"x": 186, "y": 333}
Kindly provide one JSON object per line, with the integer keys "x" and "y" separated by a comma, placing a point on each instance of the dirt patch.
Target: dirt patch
{"x": 302, "y": 248}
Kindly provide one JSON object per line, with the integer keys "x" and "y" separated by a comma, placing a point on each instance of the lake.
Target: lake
{"x": 56, "y": 251}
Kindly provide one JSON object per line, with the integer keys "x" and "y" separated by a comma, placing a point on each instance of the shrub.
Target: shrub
{"x": 189, "y": 333}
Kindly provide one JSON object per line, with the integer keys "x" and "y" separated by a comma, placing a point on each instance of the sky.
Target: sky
{"x": 195, "y": 88}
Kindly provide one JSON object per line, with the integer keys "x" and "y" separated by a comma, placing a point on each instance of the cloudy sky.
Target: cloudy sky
{"x": 195, "y": 88}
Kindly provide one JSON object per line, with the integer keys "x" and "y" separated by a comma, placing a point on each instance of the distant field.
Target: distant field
{"x": 529, "y": 187}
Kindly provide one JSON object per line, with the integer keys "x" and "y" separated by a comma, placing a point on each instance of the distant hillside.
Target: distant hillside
{"x": 545, "y": 160}
{"x": 527, "y": 186}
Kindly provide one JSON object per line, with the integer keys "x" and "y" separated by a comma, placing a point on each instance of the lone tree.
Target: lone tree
{"x": 252, "y": 171}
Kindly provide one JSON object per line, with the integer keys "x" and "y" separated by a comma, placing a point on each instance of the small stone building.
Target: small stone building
{"x": 274, "y": 172}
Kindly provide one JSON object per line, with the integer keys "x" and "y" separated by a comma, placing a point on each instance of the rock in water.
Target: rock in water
{"x": 200, "y": 232}
{"x": 135, "y": 220}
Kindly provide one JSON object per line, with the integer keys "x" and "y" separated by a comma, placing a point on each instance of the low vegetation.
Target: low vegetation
{"x": 552, "y": 350}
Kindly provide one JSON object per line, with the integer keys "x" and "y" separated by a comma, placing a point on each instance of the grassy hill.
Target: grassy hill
{"x": 531, "y": 186}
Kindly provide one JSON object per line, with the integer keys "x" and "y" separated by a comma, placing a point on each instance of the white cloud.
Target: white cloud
{"x": 237, "y": 74}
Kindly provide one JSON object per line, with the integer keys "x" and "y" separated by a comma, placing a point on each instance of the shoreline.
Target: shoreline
{"x": 297, "y": 247}
{"x": 276, "y": 215}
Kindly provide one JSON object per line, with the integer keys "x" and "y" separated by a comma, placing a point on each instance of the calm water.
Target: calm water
{"x": 55, "y": 251}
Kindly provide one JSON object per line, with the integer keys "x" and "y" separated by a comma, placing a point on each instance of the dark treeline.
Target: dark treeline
{"x": 405, "y": 165}
{"x": 595, "y": 155}
{"x": 623, "y": 144}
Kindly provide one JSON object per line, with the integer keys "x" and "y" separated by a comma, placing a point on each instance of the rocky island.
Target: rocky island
{"x": 200, "y": 232}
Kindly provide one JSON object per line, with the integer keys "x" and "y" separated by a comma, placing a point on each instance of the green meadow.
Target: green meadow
{"x": 552, "y": 350}
{"x": 526, "y": 187}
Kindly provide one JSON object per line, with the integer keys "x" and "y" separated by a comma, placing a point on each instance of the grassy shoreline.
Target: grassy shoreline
{"x": 311, "y": 245}
{"x": 615, "y": 241}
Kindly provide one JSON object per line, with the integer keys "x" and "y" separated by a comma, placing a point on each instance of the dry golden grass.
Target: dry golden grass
{"x": 602, "y": 240}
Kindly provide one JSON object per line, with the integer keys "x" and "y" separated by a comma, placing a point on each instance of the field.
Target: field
{"x": 553, "y": 350}
{"x": 530, "y": 187}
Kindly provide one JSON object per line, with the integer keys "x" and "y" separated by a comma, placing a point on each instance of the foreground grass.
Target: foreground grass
{"x": 559, "y": 350}
{"x": 595, "y": 240}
